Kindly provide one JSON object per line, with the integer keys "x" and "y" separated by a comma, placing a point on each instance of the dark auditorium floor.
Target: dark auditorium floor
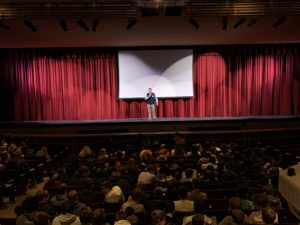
{"x": 8, "y": 210}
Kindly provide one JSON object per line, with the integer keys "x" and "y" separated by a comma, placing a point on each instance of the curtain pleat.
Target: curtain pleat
{"x": 82, "y": 84}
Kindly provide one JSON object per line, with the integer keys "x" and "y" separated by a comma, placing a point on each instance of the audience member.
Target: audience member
{"x": 73, "y": 199}
{"x": 260, "y": 202}
{"x": 269, "y": 216}
{"x": 43, "y": 152}
{"x": 113, "y": 194}
{"x": 148, "y": 176}
{"x": 246, "y": 204}
{"x": 99, "y": 217}
{"x": 88, "y": 194}
{"x": 196, "y": 194}
{"x": 237, "y": 217}
{"x": 43, "y": 201}
{"x": 133, "y": 201}
{"x": 86, "y": 216}
{"x": 41, "y": 218}
{"x": 118, "y": 178}
{"x": 199, "y": 210}
{"x": 29, "y": 206}
{"x": 67, "y": 217}
{"x": 158, "y": 217}
{"x": 58, "y": 199}
{"x": 183, "y": 204}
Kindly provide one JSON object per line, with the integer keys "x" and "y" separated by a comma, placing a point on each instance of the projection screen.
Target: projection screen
{"x": 168, "y": 72}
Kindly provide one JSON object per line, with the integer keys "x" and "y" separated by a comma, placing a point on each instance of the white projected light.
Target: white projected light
{"x": 168, "y": 72}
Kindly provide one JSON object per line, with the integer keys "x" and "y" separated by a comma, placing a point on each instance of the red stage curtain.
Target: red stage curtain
{"x": 82, "y": 84}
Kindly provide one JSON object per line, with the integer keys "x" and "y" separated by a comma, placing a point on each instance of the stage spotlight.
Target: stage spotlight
{"x": 279, "y": 21}
{"x": 131, "y": 23}
{"x": 83, "y": 25}
{"x": 252, "y": 21}
{"x": 224, "y": 22}
{"x": 95, "y": 24}
{"x": 4, "y": 26}
{"x": 29, "y": 24}
{"x": 240, "y": 22}
{"x": 194, "y": 22}
{"x": 63, "y": 25}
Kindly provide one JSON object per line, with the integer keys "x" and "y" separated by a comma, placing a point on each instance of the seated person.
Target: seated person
{"x": 199, "y": 209}
{"x": 260, "y": 202}
{"x": 269, "y": 215}
{"x": 183, "y": 204}
{"x": 113, "y": 194}
{"x": 133, "y": 201}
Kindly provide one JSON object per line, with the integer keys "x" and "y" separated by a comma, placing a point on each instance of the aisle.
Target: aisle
{"x": 8, "y": 210}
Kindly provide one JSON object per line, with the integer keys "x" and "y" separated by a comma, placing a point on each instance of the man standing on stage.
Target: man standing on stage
{"x": 152, "y": 101}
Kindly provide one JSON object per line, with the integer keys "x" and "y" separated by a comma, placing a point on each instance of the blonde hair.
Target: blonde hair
{"x": 85, "y": 151}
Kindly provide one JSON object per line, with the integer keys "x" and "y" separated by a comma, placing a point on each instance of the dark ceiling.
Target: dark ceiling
{"x": 45, "y": 23}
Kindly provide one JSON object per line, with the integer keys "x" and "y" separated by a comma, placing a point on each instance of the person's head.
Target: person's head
{"x": 238, "y": 216}
{"x": 133, "y": 220}
{"x": 182, "y": 192}
{"x": 68, "y": 207}
{"x": 19, "y": 210}
{"x": 106, "y": 187}
{"x": 235, "y": 203}
{"x": 44, "y": 149}
{"x": 129, "y": 211}
{"x": 199, "y": 206}
{"x": 86, "y": 215}
{"x": 260, "y": 200}
{"x": 61, "y": 190}
{"x": 243, "y": 192}
{"x": 99, "y": 216}
{"x": 268, "y": 215}
{"x": 72, "y": 195}
{"x": 150, "y": 90}
{"x": 136, "y": 194}
{"x": 85, "y": 152}
{"x": 30, "y": 203}
{"x": 197, "y": 184}
{"x": 169, "y": 206}
{"x": 41, "y": 218}
{"x": 158, "y": 217}
{"x": 158, "y": 193}
{"x": 42, "y": 196}
{"x": 189, "y": 173}
{"x": 198, "y": 219}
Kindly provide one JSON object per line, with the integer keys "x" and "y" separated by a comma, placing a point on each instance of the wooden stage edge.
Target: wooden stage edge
{"x": 133, "y": 126}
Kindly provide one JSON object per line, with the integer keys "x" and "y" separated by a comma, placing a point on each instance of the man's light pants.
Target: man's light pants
{"x": 151, "y": 111}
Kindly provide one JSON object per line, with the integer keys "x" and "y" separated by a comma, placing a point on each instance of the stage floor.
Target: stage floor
{"x": 145, "y": 125}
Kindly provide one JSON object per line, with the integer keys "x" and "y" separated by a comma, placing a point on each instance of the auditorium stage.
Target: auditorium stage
{"x": 145, "y": 125}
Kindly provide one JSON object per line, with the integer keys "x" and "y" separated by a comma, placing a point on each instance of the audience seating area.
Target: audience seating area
{"x": 164, "y": 169}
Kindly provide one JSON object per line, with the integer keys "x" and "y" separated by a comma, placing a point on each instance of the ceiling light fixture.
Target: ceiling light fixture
{"x": 194, "y": 22}
{"x": 4, "y": 25}
{"x": 240, "y": 22}
{"x": 63, "y": 25}
{"x": 252, "y": 21}
{"x": 279, "y": 21}
{"x": 95, "y": 24}
{"x": 131, "y": 23}
{"x": 83, "y": 25}
{"x": 30, "y": 25}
